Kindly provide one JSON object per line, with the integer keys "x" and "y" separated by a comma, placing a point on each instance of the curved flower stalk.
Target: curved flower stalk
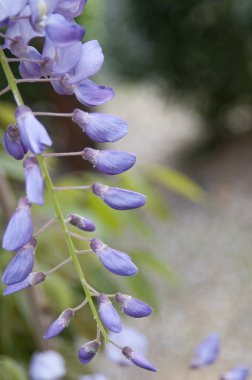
{"x": 68, "y": 64}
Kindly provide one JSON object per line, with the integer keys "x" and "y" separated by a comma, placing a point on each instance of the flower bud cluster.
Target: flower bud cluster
{"x": 68, "y": 64}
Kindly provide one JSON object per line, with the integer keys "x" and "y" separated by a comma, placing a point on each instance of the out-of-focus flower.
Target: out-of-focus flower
{"x": 132, "y": 306}
{"x": 207, "y": 352}
{"x": 138, "y": 359}
{"x": 94, "y": 376}
{"x": 47, "y": 365}
{"x": 237, "y": 373}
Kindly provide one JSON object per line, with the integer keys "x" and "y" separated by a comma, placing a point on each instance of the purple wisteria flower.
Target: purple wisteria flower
{"x": 100, "y": 127}
{"x": 207, "y": 352}
{"x": 117, "y": 198}
{"x": 59, "y": 324}
{"x": 28, "y": 68}
{"x": 33, "y": 134}
{"x": 115, "y": 261}
{"x": 13, "y": 144}
{"x": 7, "y": 11}
{"x": 110, "y": 162}
{"x": 19, "y": 229}
{"x": 47, "y": 365}
{"x": 34, "y": 181}
{"x": 21, "y": 265}
{"x": 132, "y": 306}
{"x": 33, "y": 279}
{"x": 80, "y": 222}
{"x": 94, "y": 376}
{"x": 238, "y": 373}
{"x": 138, "y": 359}
{"x": 70, "y": 8}
{"x": 88, "y": 351}
{"x": 109, "y": 316}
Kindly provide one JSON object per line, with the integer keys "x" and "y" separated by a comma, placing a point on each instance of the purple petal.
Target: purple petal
{"x": 90, "y": 62}
{"x": 39, "y": 12}
{"x": 70, "y": 8}
{"x": 33, "y": 133}
{"x": 138, "y": 359}
{"x": 207, "y": 352}
{"x": 59, "y": 324}
{"x": 88, "y": 351}
{"x": 100, "y": 127}
{"x": 238, "y": 373}
{"x": 19, "y": 229}
{"x": 90, "y": 94}
{"x": 109, "y": 316}
{"x": 9, "y": 10}
{"x": 31, "y": 69}
{"x": 12, "y": 143}
{"x": 117, "y": 198}
{"x": 20, "y": 266}
{"x": 33, "y": 279}
{"x": 115, "y": 261}
{"x": 132, "y": 306}
{"x": 80, "y": 222}
{"x": 63, "y": 32}
{"x": 34, "y": 181}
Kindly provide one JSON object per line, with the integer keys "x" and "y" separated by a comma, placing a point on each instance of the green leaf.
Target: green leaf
{"x": 9, "y": 369}
{"x": 176, "y": 181}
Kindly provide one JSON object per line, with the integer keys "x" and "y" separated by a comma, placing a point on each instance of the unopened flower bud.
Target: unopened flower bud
{"x": 33, "y": 279}
{"x": 110, "y": 162}
{"x": 138, "y": 359}
{"x": 115, "y": 261}
{"x": 132, "y": 306}
{"x": 80, "y": 222}
{"x": 109, "y": 316}
{"x": 19, "y": 229}
{"x": 238, "y": 373}
{"x": 13, "y": 144}
{"x": 207, "y": 352}
{"x": 117, "y": 198}
{"x": 59, "y": 324}
{"x": 33, "y": 181}
{"x": 88, "y": 351}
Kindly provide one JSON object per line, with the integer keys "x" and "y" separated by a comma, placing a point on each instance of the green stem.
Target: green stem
{"x": 18, "y": 98}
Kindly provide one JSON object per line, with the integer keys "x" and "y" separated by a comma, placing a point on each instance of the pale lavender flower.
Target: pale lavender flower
{"x": 138, "y": 359}
{"x": 132, "y": 306}
{"x": 13, "y": 144}
{"x": 70, "y": 8}
{"x": 80, "y": 222}
{"x": 29, "y": 69}
{"x": 34, "y": 181}
{"x": 59, "y": 324}
{"x": 109, "y": 316}
{"x": 19, "y": 229}
{"x": 47, "y": 365}
{"x": 113, "y": 260}
{"x": 117, "y": 198}
{"x": 94, "y": 376}
{"x": 110, "y": 162}
{"x": 128, "y": 336}
{"x": 238, "y": 373}
{"x": 9, "y": 10}
{"x": 33, "y": 279}
{"x": 21, "y": 265}
{"x": 207, "y": 352}
{"x": 33, "y": 133}
{"x": 88, "y": 351}
{"x": 100, "y": 127}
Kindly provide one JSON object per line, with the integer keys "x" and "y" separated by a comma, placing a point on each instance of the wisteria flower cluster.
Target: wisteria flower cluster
{"x": 68, "y": 64}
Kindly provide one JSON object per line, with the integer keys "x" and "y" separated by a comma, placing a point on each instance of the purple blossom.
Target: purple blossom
{"x": 132, "y": 306}
{"x": 115, "y": 261}
{"x": 109, "y": 316}
{"x": 95, "y": 376}
{"x": 80, "y": 222}
{"x": 238, "y": 373}
{"x": 33, "y": 133}
{"x": 59, "y": 324}
{"x": 29, "y": 69}
{"x": 21, "y": 265}
{"x": 33, "y": 181}
{"x": 88, "y": 351}
{"x": 109, "y": 161}
{"x": 47, "y": 365}
{"x": 138, "y": 359}
{"x": 9, "y": 10}
{"x": 19, "y": 229}
{"x": 117, "y": 198}
{"x": 100, "y": 127}
{"x": 207, "y": 352}
{"x": 34, "y": 278}
{"x": 13, "y": 144}
{"x": 70, "y": 8}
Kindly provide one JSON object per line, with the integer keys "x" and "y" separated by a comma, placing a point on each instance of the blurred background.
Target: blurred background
{"x": 182, "y": 73}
